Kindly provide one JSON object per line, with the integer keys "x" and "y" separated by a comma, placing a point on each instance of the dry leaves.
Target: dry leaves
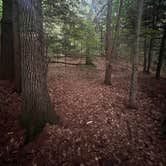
{"x": 97, "y": 128}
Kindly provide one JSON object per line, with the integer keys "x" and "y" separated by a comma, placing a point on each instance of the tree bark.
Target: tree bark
{"x": 108, "y": 48}
{"x": 134, "y": 77}
{"x": 154, "y": 23}
{"x": 145, "y": 54}
{"x": 150, "y": 56}
{"x": 7, "y": 57}
{"x": 37, "y": 107}
{"x": 117, "y": 28}
{"x": 16, "y": 48}
{"x": 161, "y": 55}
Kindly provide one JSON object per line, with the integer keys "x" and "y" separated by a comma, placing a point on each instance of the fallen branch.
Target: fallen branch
{"x": 66, "y": 63}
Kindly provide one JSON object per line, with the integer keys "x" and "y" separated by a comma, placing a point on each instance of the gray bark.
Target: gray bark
{"x": 134, "y": 77}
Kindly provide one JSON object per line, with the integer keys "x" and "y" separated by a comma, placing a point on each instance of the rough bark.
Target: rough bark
{"x": 37, "y": 107}
{"x": 134, "y": 77}
{"x": 108, "y": 48}
{"x": 6, "y": 56}
{"x": 161, "y": 55}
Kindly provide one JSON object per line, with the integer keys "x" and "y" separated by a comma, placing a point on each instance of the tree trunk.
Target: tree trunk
{"x": 150, "y": 56}
{"x": 145, "y": 54}
{"x": 16, "y": 48}
{"x": 88, "y": 59}
{"x": 161, "y": 55}
{"x": 154, "y": 23}
{"x": 134, "y": 77}
{"x": 115, "y": 42}
{"x": 6, "y": 56}
{"x": 101, "y": 40}
{"x": 108, "y": 70}
{"x": 37, "y": 107}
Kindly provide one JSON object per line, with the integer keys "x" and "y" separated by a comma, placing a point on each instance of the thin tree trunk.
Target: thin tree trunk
{"x": 101, "y": 40}
{"x": 154, "y": 23}
{"x": 37, "y": 107}
{"x": 145, "y": 54}
{"x": 161, "y": 55}
{"x": 117, "y": 28}
{"x": 133, "y": 87}
{"x": 6, "y": 56}
{"x": 16, "y": 48}
{"x": 150, "y": 56}
{"x": 108, "y": 71}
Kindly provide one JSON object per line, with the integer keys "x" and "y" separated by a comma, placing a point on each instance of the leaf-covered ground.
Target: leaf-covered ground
{"x": 97, "y": 128}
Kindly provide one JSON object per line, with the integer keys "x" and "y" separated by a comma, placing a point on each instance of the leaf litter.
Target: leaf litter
{"x": 97, "y": 129}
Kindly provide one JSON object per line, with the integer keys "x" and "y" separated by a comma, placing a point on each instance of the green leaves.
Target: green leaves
{"x": 0, "y": 10}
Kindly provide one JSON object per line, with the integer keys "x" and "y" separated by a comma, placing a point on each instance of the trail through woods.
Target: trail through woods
{"x": 97, "y": 128}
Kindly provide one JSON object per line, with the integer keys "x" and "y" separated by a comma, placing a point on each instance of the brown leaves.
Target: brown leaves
{"x": 97, "y": 128}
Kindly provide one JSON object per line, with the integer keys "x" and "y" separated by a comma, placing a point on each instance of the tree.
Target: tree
{"x": 36, "y": 106}
{"x": 152, "y": 20}
{"x": 145, "y": 54}
{"x": 134, "y": 77}
{"x": 6, "y": 56}
{"x": 108, "y": 46}
{"x": 16, "y": 47}
{"x": 161, "y": 54}
{"x": 117, "y": 28}
{"x": 10, "y": 68}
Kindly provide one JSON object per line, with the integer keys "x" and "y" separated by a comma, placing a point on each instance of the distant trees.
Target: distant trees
{"x": 70, "y": 29}
{"x": 153, "y": 25}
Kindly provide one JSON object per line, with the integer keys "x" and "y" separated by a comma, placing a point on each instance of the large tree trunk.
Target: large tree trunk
{"x": 7, "y": 56}
{"x": 37, "y": 107}
{"x": 133, "y": 87}
{"x": 161, "y": 55}
{"x": 108, "y": 70}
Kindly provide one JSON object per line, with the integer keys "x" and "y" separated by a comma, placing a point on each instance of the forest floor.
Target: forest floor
{"x": 97, "y": 128}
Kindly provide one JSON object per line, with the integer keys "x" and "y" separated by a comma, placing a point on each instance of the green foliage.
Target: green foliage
{"x": 0, "y": 13}
{"x": 0, "y": 9}
{"x": 68, "y": 29}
